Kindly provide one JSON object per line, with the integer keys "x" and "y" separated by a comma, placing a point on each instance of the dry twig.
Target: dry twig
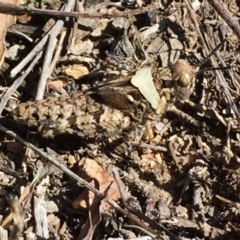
{"x": 55, "y": 31}
{"x": 226, "y": 15}
{"x": 17, "y": 83}
{"x": 26, "y": 194}
{"x": 91, "y": 188}
{"x": 208, "y": 49}
{"x": 19, "y": 10}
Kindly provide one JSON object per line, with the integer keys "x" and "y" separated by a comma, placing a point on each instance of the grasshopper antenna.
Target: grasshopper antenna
{"x": 207, "y": 58}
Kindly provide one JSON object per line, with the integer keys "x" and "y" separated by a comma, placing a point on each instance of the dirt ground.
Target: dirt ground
{"x": 120, "y": 120}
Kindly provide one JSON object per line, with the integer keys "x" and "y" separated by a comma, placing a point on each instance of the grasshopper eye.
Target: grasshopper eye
{"x": 130, "y": 98}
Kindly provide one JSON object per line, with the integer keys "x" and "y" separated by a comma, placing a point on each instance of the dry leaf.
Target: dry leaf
{"x": 161, "y": 105}
{"x": 56, "y": 84}
{"x": 95, "y": 217}
{"x": 18, "y": 217}
{"x": 144, "y": 82}
{"x": 99, "y": 179}
{"x": 54, "y": 221}
{"x": 196, "y": 5}
{"x": 139, "y": 2}
{"x": 6, "y": 21}
{"x": 25, "y": 18}
{"x": 76, "y": 71}
{"x": 71, "y": 160}
{"x": 12, "y": 52}
{"x": 82, "y": 47}
{"x": 149, "y": 132}
{"x": 51, "y": 207}
{"x": 175, "y": 44}
{"x": 27, "y": 192}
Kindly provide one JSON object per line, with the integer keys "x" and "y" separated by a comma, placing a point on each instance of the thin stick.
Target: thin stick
{"x": 58, "y": 50}
{"x": 207, "y": 58}
{"x": 55, "y": 31}
{"x": 45, "y": 73}
{"x": 19, "y": 10}
{"x": 226, "y": 16}
{"x": 38, "y": 48}
{"x": 52, "y": 160}
{"x": 91, "y": 188}
{"x": 17, "y": 83}
{"x": 20, "y": 34}
{"x": 150, "y": 146}
{"x": 47, "y": 70}
{"x": 207, "y": 49}
{"x": 26, "y": 194}
{"x": 194, "y": 19}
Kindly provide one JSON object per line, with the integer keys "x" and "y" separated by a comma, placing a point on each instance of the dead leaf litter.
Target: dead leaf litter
{"x": 120, "y": 120}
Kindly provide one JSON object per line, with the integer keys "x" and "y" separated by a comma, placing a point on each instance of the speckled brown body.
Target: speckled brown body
{"x": 68, "y": 114}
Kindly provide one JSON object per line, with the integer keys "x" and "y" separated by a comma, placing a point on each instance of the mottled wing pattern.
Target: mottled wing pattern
{"x": 69, "y": 114}
{"x": 115, "y": 98}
